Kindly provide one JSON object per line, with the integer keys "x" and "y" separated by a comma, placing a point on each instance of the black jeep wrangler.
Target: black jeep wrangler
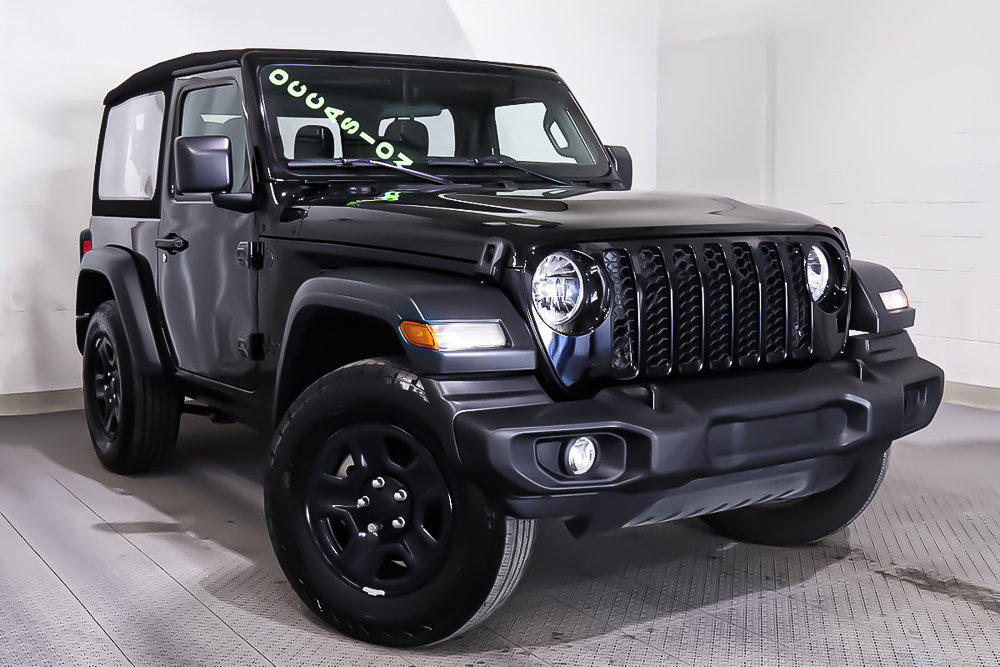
{"x": 427, "y": 278}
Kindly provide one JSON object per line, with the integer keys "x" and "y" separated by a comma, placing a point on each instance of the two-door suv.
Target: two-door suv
{"x": 429, "y": 280}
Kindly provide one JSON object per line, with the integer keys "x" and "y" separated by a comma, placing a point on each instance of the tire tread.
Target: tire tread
{"x": 157, "y": 406}
{"x": 519, "y": 534}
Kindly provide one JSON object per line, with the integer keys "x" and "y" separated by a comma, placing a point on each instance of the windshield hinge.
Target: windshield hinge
{"x": 250, "y": 254}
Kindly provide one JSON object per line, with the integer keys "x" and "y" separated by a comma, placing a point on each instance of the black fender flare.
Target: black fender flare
{"x": 134, "y": 292}
{"x": 393, "y": 295}
{"x": 868, "y": 313}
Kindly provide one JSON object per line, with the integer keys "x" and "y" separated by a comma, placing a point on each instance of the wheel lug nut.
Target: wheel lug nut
{"x": 378, "y": 483}
{"x": 398, "y": 523}
{"x": 399, "y": 496}
{"x": 363, "y": 501}
{"x": 373, "y": 528}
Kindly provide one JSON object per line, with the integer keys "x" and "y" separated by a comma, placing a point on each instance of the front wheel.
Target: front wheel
{"x": 375, "y": 532}
{"x": 806, "y": 520}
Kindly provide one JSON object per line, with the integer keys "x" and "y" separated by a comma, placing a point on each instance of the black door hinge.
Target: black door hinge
{"x": 252, "y": 346}
{"x": 250, "y": 254}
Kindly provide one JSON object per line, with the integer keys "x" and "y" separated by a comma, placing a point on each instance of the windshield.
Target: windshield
{"x": 438, "y": 121}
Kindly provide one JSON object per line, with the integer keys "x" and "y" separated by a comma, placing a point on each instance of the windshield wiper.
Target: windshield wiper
{"x": 365, "y": 162}
{"x": 492, "y": 162}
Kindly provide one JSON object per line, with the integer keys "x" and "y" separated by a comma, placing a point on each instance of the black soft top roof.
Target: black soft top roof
{"x": 161, "y": 74}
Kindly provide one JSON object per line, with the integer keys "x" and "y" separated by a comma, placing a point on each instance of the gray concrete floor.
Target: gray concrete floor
{"x": 176, "y": 568}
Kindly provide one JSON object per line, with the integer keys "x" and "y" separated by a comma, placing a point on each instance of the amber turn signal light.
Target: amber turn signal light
{"x": 419, "y": 334}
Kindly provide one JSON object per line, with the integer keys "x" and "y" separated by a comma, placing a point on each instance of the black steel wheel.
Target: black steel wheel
{"x": 806, "y": 520}
{"x": 106, "y": 387}
{"x": 379, "y": 508}
{"x": 132, "y": 419}
{"x": 373, "y": 528}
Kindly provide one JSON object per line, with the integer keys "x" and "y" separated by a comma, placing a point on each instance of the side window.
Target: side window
{"x": 219, "y": 111}
{"x": 523, "y": 135}
{"x": 131, "y": 149}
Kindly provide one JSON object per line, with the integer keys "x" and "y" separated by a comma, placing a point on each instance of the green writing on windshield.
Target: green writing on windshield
{"x": 348, "y": 125}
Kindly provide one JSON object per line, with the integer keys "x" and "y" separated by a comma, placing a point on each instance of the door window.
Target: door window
{"x": 219, "y": 111}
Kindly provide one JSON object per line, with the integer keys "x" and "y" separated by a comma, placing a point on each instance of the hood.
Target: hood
{"x": 456, "y": 223}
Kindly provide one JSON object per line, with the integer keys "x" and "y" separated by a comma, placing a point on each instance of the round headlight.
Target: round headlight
{"x": 568, "y": 293}
{"x": 818, "y": 272}
{"x": 567, "y": 289}
{"x": 557, "y": 289}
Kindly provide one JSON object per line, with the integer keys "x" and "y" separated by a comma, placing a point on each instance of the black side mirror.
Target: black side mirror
{"x": 621, "y": 160}
{"x": 203, "y": 164}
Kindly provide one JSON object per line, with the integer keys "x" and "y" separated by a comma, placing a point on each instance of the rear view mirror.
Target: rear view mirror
{"x": 621, "y": 160}
{"x": 203, "y": 164}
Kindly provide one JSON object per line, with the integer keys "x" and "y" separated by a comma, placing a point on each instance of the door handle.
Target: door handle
{"x": 172, "y": 244}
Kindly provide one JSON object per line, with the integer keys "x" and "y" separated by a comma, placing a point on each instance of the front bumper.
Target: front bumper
{"x": 694, "y": 445}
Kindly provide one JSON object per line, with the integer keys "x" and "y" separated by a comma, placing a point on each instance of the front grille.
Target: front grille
{"x": 688, "y": 307}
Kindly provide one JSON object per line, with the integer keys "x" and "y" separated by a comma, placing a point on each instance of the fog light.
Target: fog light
{"x": 580, "y": 455}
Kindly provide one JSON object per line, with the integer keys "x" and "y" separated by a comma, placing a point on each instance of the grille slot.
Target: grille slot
{"x": 688, "y": 300}
{"x": 746, "y": 294}
{"x": 772, "y": 281}
{"x": 624, "y": 314}
{"x": 799, "y": 305}
{"x": 719, "y": 309}
{"x": 687, "y": 307}
{"x": 657, "y": 327}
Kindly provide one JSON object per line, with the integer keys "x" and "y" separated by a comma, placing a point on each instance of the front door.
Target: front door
{"x": 209, "y": 298}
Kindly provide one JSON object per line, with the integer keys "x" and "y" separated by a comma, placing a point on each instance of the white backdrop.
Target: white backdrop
{"x": 880, "y": 116}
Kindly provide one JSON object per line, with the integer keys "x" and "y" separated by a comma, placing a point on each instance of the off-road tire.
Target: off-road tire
{"x": 378, "y": 413}
{"x": 810, "y": 519}
{"x": 132, "y": 419}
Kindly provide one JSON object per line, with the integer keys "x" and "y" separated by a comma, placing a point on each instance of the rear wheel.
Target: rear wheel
{"x": 809, "y": 519}
{"x": 132, "y": 419}
{"x": 374, "y": 530}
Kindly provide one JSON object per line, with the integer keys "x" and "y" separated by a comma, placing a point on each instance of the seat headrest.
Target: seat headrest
{"x": 314, "y": 141}
{"x": 409, "y": 136}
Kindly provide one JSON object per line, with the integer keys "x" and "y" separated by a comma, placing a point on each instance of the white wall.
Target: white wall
{"x": 60, "y": 58}
{"x": 883, "y": 118}
{"x": 880, "y": 116}
{"x": 713, "y": 103}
